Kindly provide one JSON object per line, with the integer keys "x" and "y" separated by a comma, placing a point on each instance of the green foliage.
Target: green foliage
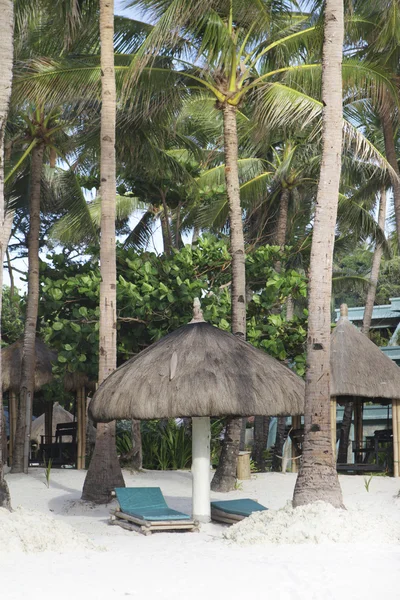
{"x": 166, "y": 445}
{"x": 12, "y": 319}
{"x": 155, "y": 296}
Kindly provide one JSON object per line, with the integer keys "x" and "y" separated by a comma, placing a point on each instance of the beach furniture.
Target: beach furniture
{"x": 232, "y": 511}
{"x": 144, "y": 509}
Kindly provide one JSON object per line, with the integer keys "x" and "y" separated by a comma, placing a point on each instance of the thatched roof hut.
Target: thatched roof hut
{"x": 60, "y": 415}
{"x": 199, "y": 371}
{"x": 358, "y": 366}
{"x": 11, "y": 358}
{"x": 361, "y": 372}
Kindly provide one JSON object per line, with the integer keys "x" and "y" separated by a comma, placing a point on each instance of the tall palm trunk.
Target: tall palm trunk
{"x": 166, "y": 226}
{"x": 225, "y": 475}
{"x": 317, "y": 479}
{"x": 376, "y": 264}
{"x": 6, "y": 61}
{"x": 280, "y": 239}
{"x": 26, "y": 390}
{"x": 391, "y": 155}
{"x": 104, "y": 473}
{"x": 281, "y": 226}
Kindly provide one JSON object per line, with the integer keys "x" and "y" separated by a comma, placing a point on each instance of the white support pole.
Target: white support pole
{"x": 201, "y": 469}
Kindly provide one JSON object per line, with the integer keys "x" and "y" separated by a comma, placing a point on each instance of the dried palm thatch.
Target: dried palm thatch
{"x": 60, "y": 415}
{"x": 358, "y": 366}
{"x": 75, "y": 381}
{"x": 11, "y": 358}
{"x": 196, "y": 371}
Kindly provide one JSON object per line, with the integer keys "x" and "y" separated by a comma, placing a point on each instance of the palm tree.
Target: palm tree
{"x": 379, "y": 31}
{"x": 231, "y": 39}
{"x": 317, "y": 479}
{"x": 104, "y": 473}
{"x": 6, "y": 61}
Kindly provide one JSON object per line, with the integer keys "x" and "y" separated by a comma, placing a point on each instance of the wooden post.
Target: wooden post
{"x": 12, "y": 416}
{"x": 358, "y": 428}
{"x": 296, "y": 424}
{"x": 395, "y": 427}
{"x": 81, "y": 418}
{"x": 333, "y": 427}
{"x": 48, "y": 422}
{"x": 79, "y": 432}
{"x": 83, "y": 428}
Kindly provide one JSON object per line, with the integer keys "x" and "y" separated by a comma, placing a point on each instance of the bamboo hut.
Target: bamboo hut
{"x": 11, "y": 359}
{"x": 199, "y": 371}
{"x": 360, "y": 372}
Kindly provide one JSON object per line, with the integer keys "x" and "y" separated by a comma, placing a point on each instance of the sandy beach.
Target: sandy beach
{"x": 97, "y": 561}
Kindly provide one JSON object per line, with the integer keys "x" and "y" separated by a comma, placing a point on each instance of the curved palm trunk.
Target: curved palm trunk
{"x": 376, "y": 264}
{"x": 104, "y": 473}
{"x": 225, "y": 476}
{"x": 6, "y": 61}
{"x": 317, "y": 479}
{"x": 26, "y": 390}
{"x": 390, "y": 150}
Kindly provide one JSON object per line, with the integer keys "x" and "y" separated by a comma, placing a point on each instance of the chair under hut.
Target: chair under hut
{"x": 11, "y": 359}
{"x": 76, "y": 383}
{"x": 199, "y": 371}
{"x": 361, "y": 373}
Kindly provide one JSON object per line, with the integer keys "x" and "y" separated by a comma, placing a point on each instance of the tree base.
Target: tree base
{"x": 104, "y": 473}
{"x": 5, "y": 499}
{"x": 224, "y": 479}
{"x": 318, "y": 486}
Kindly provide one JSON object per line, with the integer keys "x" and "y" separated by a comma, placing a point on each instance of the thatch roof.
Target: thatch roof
{"x": 199, "y": 370}
{"x": 358, "y": 366}
{"x": 60, "y": 415}
{"x": 11, "y": 357}
{"x": 75, "y": 381}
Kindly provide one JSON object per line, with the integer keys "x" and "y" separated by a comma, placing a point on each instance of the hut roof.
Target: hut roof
{"x": 199, "y": 370}
{"x": 358, "y": 366}
{"x": 11, "y": 357}
{"x": 60, "y": 415}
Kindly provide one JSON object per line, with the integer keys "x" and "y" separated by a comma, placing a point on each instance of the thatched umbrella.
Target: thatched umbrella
{"x": 11, "y": 359}
{"x": 359, "y": 369}
{"x": 199, "y": 371}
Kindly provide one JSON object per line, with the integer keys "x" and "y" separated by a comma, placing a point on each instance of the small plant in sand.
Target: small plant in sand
{"x": 47, "y": 470}
{"x": 367, "y": 482}
{"x": 238, "y": 485}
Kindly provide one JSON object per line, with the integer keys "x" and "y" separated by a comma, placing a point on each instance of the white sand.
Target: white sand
{"x": 317, "y": 523}
{"x": 201, "y": 565}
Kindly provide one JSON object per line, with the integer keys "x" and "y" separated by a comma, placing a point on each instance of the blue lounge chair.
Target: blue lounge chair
{"x": 232, "y": 511}
{"x": 145, "y": 510}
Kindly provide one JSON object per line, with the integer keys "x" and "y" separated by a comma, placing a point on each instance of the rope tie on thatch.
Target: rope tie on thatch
{"x": 197, "y": 312}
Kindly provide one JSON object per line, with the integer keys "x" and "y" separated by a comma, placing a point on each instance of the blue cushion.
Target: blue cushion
{"x": 147, "y": 504}
{"x": 243, "y": 506}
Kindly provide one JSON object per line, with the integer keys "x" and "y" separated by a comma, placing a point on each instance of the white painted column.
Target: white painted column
{"x": 201, "y": 469}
